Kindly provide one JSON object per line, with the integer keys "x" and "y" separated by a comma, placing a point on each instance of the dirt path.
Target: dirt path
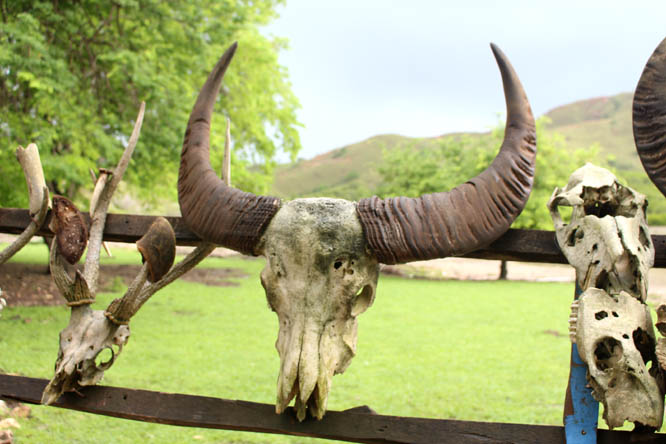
{"x": 19, "y": 280}
{"x": 481, "y": 269}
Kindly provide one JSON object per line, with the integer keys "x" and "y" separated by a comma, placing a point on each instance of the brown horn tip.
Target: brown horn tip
{"x": 70, "y": 229}
{"x": 215, "y": 212}
{"x": 649, "y": 117}
{"x": 158, "y": 248}
{"x": 473, "y": 214}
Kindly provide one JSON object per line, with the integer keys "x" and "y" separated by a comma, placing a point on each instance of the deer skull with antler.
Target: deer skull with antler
{"x": 90, "y": 333}
{"x": 323, "y": 254}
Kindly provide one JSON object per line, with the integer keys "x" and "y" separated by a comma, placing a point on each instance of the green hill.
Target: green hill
{"x": 351, "y": 172}
{"x": 605, "y": 121}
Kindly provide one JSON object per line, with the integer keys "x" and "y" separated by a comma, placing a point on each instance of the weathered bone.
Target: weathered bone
{"x": 319, "y": 277}
{"x": 616, "y": 340}
{"x": 91, "y": 268}
{"x": 91, "y": 332}
{"x": 323, "y": 254}
{"x": 608, "y": 243}
{"x": 88, "y": 334}
{"x": 99, "y": 185}
{"x": 38, "y": 198}
{"x": 34, "y": 175}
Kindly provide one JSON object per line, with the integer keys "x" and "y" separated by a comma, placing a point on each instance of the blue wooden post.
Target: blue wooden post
{"x": 581, "y": 410}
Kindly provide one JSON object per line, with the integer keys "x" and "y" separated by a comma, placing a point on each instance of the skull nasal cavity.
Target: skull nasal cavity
{"x": 607, "y": 353}
{"x": 362, "y": 301}
{"x": 600, "y": 315}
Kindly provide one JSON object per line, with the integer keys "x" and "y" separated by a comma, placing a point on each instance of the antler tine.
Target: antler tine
{"x": 199, "y": 253}
{"x": 121, "y": 310}
{"x": 31, "y": 164}
{"x": 91, "y": 267}
{"x": 29, "y": 231}
{"x": 99, "y": 184}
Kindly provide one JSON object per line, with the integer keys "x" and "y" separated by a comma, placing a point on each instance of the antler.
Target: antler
{"x": 91, "y": 331}
{"x": 38, "y": 194}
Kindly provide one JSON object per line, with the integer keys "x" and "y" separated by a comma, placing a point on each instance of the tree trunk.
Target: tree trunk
{"x": 503, "y": 271}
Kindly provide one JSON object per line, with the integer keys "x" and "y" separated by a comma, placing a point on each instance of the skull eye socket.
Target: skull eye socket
{"x": 362, "y": 300}
{"x": 607, "y": 353}
{"x": 104, "y": 358}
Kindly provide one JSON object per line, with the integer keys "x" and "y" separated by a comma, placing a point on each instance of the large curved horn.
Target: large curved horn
{"x": 473, "y": 214}
{"x": 213, "y": 210}
{"x": 649, "y": 117}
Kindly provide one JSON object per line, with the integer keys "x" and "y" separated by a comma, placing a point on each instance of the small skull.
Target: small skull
{"x": 608, "y": 243}
{"x": 615, "y": 338}
{"x": 318, "y": 278}
{"x": 87, "y": 335}
{"x": 607, "y": 240}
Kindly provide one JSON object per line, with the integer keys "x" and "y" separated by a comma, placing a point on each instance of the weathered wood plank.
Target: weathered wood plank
{"x": 119, "y": 227}
{"x": 352, "y": 425}
{"x": 514, "y": 245}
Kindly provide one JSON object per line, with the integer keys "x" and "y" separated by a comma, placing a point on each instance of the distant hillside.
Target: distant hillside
{"x": 351, "y": 172}
{"x": 605, "y": 120}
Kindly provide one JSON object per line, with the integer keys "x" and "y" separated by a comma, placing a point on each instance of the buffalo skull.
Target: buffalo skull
{"x": 323, "y": 254}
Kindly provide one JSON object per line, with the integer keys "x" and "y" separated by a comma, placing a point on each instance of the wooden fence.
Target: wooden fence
{"x": 359, "y": 424}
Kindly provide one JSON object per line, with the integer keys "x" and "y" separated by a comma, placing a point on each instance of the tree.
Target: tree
{"x": 72, "y": 75}
{"x": 409, "y": 172}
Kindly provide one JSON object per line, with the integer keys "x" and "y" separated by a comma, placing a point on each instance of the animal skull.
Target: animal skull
{"x": 82, "y": 342}
{"x": 319, "y": 277}
{"x": 608, "y": 243}
{"x": 615, "y": 338}
{"x": 323, "y": 253}
{"x": 607, "y": 240}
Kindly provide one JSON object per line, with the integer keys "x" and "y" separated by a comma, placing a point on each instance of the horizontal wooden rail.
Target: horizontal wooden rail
{"x": 514, "y": 245}
{"x": 354, "y": 425}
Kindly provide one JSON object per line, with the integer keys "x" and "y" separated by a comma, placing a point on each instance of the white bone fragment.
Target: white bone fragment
{"x": 319, "y": 277}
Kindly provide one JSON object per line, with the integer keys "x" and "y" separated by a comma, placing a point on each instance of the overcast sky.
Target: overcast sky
{"x": 424, "y": 67}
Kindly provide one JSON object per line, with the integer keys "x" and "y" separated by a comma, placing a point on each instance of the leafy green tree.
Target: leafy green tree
{"x": 72, "y": 76}
{"x": 410, "y": 172}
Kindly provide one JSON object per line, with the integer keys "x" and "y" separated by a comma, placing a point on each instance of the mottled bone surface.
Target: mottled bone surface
{"x": 318, "y": 278}
{"x": 616, "y": 340}
{"x": 88, "y": 334}
{"x": 607, "y": 240}
{"x": 608, "y": 243}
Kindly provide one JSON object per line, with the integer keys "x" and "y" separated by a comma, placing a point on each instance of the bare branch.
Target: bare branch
{"x": 91, "y": 267}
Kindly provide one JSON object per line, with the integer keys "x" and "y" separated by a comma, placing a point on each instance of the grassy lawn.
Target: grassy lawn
{"x": 485, "y": 351}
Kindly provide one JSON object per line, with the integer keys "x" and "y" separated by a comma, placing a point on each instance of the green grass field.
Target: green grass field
{"x": 485, "y": 351}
